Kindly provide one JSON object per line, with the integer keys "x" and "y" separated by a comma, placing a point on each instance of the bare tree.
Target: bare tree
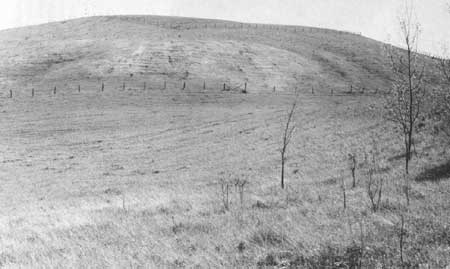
{"x": 404, "y": 100}
{"x": 375, "y": 179}
{"x": 287, "y": 135}
{"x": 225, "y": 187}
{"x": 374, "y": 190}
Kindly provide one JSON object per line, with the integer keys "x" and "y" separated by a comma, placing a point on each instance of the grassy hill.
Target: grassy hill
{"x": 135, "y": 175}
{"x": 174, "y": 49}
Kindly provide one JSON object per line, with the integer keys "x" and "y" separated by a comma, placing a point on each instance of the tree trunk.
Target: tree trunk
{"x": 282, "y": 170}
{"x": 354, "y": 178}
{"x": 406, "y": 153}
{"x": 407, "y": 163}
{"x": 401, "y": 241}
{"x": 410, "y": 130}
{"x": 344, "y": 196}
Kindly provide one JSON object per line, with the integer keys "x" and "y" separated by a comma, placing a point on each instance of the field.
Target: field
{"x": 132, "y": 176}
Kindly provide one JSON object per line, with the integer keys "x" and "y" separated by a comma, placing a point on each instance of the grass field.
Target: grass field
{"x": 131, "y": 177}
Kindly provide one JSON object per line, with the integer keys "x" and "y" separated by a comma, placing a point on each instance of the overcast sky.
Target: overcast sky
{"x": 377, "y": 19}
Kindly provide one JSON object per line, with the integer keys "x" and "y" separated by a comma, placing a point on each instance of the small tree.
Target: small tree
{"x": 375, "y": 180}
{"x": 287, "y": 135}
{"x": 404, "y": 100}
{"x": 225, "y": 186}
{"x": 374, "y": 190}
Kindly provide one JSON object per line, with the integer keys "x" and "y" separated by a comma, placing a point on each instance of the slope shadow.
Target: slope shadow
{"x": 436, "y": 173}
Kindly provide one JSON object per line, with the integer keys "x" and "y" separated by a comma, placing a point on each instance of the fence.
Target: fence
{"x": 191, "y": 24}
{"x": 190, "y": 86}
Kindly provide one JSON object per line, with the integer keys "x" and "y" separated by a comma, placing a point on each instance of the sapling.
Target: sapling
{"x": 375, "y": 180}
{"x": 287, "y": 135}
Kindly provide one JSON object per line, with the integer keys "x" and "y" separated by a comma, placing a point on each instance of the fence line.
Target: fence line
{"x": 205, "y": 24}
{"x": 241, "y": 88}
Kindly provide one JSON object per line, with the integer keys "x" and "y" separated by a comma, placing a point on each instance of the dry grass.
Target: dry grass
{"x": 66, "y": 178}
{"x": 130, "y": 178}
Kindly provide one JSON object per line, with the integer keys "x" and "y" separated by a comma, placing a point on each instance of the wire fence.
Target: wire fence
{"x": 191, "y": 86}
{"x": 191, "y": 24}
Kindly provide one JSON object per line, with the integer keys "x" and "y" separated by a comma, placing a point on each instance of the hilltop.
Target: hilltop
{"x": 155, "y": 48}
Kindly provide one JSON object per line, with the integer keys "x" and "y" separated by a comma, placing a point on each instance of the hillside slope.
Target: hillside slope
{"x": 113, "y": 49}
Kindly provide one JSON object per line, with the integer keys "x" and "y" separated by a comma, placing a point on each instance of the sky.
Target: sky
{"x": 378, "y": 19}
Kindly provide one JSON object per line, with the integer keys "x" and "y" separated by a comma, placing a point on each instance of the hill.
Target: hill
{"x": 112, "y": 162}
{"x": 151, "y": 48}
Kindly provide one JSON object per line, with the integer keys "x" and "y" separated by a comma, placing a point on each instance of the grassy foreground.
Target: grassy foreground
{"x": 130, "y": 179}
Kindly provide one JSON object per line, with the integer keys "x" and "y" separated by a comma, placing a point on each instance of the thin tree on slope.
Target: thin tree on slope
{"x": 288, "y": 131}
{"x": 404, "y": 101}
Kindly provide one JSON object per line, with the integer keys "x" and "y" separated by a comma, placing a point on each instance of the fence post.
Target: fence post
{"x": 184, "y": 85}
{"x": 10, "y": 93}
{"x": 54, "y": 90}
{"x": 204, "y": 85}
{"x": 79, "y": 88}
{"x": 103, "y": 86}
{"x": 32, "y": 92}
{"x": 312, "y": 90}
{"x": 351, "y": 88}
{"x": 165, "y": 85}
{"x": 224, "y": 86}
{"x": 274, "y": 88}
{"x": 245, "y": 86}
{"x": 332, "y": 91}
{"x": 145, "y": 86}
{"x": 123, "y": 86}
